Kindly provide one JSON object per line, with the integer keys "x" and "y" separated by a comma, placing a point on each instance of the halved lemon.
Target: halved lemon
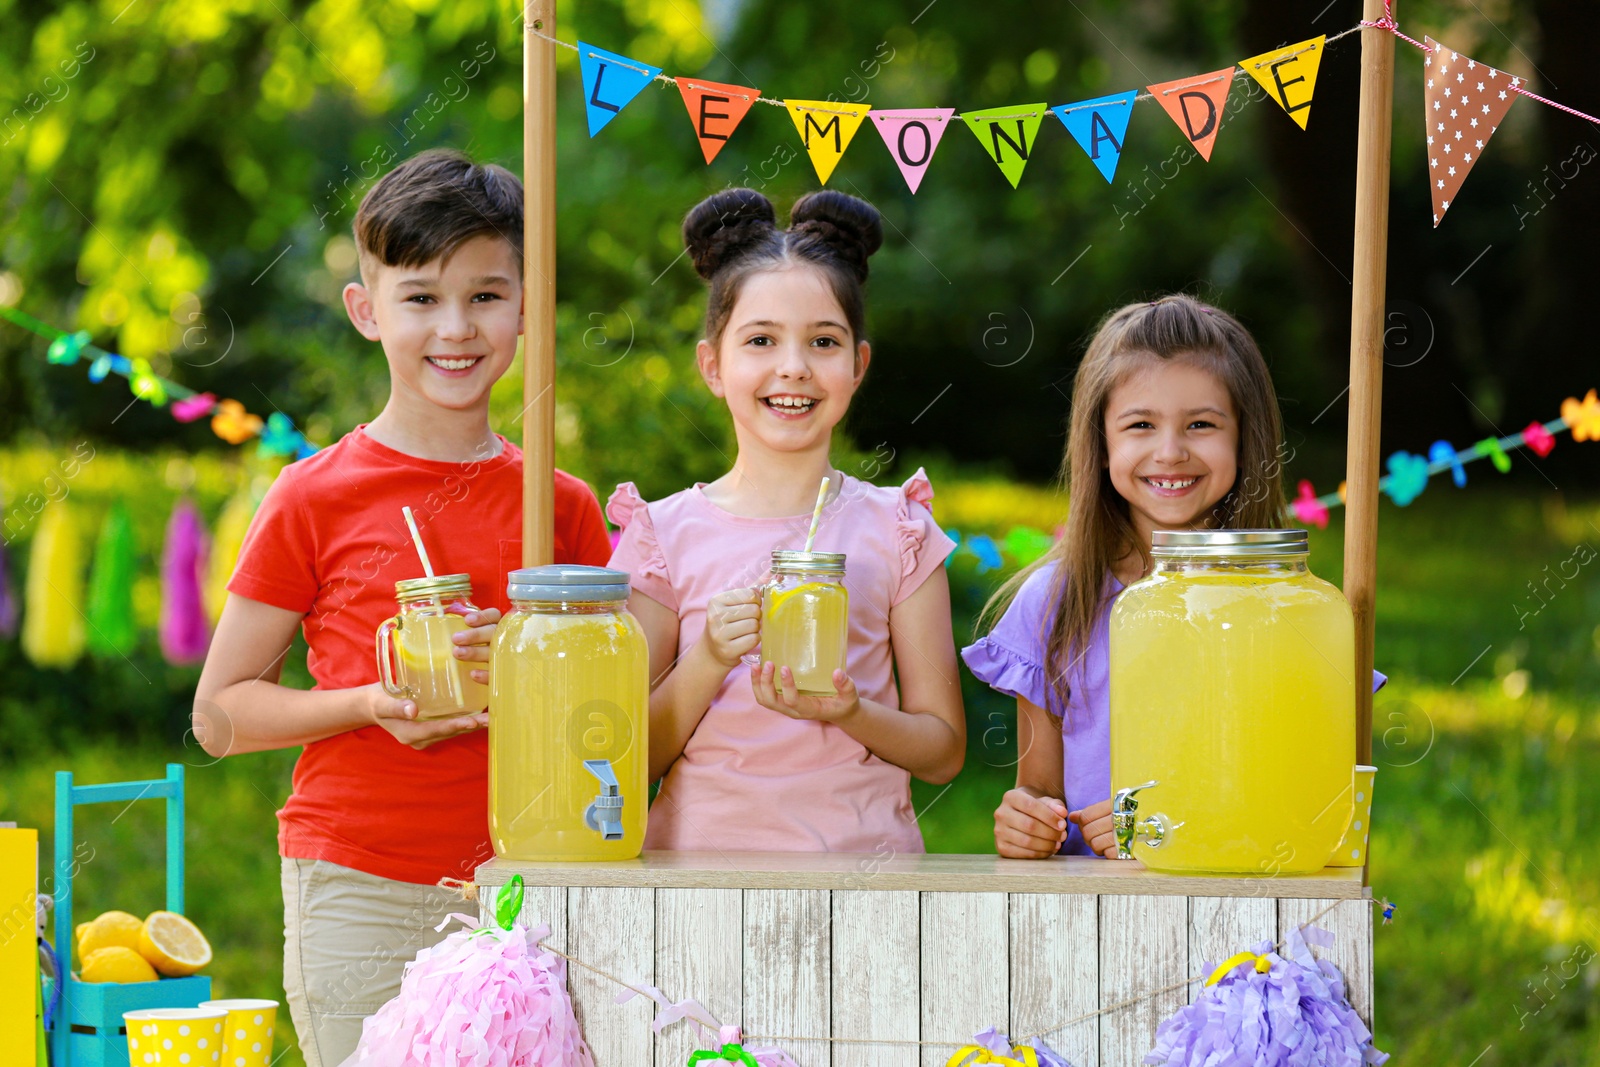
{"x": 173, "y": 945}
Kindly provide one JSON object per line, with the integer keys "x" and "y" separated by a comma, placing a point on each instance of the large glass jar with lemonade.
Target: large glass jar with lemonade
{"x": 569, "y": 716}
{"x": 1232, "y": 706}
{"x": 805, "y": 619}
{"x": 416, "y": 646}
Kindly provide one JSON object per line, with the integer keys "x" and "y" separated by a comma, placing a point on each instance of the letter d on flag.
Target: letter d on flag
{"x": 610, "y": 82}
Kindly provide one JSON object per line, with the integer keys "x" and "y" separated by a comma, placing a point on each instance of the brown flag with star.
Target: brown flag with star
{"x": 1466, "y": 101}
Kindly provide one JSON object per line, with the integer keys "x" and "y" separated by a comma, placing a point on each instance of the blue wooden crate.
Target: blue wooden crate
{"x": 92, "y": 1014}
{"x": 87, "y": 1030}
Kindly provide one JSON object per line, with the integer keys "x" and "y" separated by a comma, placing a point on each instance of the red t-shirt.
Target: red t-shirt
{"x": 329, "y": 542}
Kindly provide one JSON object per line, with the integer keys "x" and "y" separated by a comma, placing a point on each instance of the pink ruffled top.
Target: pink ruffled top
{"x": 755, "y": 780}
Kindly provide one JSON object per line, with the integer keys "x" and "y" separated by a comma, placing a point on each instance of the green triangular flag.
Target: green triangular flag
{"x": 1007, "y": 134}
{"x": 111, "y": 629}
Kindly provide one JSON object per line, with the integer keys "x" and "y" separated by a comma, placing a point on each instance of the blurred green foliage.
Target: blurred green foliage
{"x": 181, "y": 179}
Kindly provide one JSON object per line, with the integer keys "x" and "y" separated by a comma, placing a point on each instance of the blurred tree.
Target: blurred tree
{"x": 181, "y": 177}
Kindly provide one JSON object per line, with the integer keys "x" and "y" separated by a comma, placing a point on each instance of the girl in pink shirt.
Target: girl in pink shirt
{"x": 748, "y": 764}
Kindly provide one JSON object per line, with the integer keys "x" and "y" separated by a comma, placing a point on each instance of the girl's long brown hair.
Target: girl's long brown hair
{"x": 1099, "y": 530}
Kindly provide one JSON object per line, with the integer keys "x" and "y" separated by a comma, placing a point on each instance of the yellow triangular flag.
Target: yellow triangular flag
{"x": 826, "y": 129}
{"x": 1289, "y": 75}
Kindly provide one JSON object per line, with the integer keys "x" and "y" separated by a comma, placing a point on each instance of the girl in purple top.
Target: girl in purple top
{"x": 1174, "y": 426}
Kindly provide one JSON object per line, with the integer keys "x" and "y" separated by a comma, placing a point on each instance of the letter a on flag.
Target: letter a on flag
{"x": 912, "y": 134}
{"x": 826, "y": 129}
{"x": 610, "y": 81}
{"x": 715, "y": 109}
{"x": 1007, "y": 134}
{"x": 1466, "y": 103}
{"x": 1195, "y": 104}
{"x": 1100, "y": 126}
{"x": 1289, "y": 75}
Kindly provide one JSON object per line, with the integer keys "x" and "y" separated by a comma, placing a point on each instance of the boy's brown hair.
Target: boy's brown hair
{"x": 432, "y": 204}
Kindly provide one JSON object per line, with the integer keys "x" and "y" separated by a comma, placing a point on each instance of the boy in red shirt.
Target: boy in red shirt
{"x": 383, "y": 806}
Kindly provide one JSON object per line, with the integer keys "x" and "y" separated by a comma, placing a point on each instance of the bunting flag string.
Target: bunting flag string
{"x": 1408, "y": 475}
{"x": 911, "y": 135}
{"x": 229, "y": 419}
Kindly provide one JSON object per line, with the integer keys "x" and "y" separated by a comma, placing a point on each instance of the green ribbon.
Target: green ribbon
{"x": 729, "y": 1054}
{"x": 508, "y": 902}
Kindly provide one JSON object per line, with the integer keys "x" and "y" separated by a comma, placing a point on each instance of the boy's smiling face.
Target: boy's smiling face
{"x": 449, "y": 327}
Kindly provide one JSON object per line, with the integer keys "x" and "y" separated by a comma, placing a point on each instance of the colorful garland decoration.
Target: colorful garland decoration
{"x": 1408, "y": 476}
{"x": 229, "y": 419}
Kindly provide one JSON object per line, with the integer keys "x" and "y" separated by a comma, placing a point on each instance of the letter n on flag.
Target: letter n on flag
{"x": 1007, "y": 134}
{"x": 610, "y": 82}
{"x": 714, "y": 110}
{"x": 1195, "y": 104}
{"x": 826, "y": 129}
{"x": 912, "y": 135}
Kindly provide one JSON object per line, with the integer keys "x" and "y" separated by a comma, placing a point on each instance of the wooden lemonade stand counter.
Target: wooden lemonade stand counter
{"x": 911, "y": 948}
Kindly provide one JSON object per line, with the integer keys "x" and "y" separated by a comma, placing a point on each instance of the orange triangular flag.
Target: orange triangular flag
{"x": 715, "y": 109}
{"x": 1195, "y": 104}
{"x": 1466, "y": 102}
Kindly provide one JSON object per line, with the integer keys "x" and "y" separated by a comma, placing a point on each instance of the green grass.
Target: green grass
{"x": 1487, "y": 739}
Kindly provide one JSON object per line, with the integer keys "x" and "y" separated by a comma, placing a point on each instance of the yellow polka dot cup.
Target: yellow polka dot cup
{"x": 247, "y": 1033}
{"x": 1352, "y": 850}
{"x": 174, "y": 1037}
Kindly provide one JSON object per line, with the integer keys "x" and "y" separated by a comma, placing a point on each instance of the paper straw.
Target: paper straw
{"x": 416, "y": 539}
{"x": 816, "y": 512}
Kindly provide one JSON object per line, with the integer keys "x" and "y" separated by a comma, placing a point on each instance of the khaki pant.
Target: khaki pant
{"x": 347, "y": 936}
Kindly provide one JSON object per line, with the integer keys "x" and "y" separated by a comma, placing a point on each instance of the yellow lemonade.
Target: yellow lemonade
{"x": 440, "y": 684}
{"x": 1232, "y": 689}
{"x": 569, "y": 706}
{"x": 415, "y": 660}
{"x": 805, "y": 629}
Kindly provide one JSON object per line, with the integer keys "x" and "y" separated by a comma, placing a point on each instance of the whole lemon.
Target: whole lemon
{"x": 116, "y": 964}
{"x": 111, "y": 929}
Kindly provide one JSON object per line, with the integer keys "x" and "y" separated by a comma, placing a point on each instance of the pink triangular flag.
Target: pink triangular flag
{"x": 912, "y": 135}
{"x": 1466, "y": 102}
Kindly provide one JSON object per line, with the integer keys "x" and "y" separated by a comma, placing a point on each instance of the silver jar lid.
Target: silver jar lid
{"x": 567, "y": 582}
{"x": 1249, "y": 544}
{"x": 785, "y": 561}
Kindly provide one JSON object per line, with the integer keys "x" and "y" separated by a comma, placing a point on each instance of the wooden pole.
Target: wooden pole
{"x": 1366, "y": 356}
{"x": 539, "y": 280}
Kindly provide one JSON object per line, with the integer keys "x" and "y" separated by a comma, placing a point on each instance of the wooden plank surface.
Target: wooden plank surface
{"x": 923, "y": 873}
{"x": 699, "y": 947}
{"x": 876, "y": 967}
{"x": 1220, "y": 927}
{"x": 1055, "y": 972}
{"x": 1144, "y": 945}
{"x": 787, "y": 961}
{"x": 965, "y": 968}
{"x": 614, "y": 930}
{"x": 1350, "y": 923}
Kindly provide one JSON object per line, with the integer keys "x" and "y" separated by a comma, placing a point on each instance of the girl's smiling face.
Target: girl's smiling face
{"x": 787, "y": 363}
{"x": 1172, "y": 441}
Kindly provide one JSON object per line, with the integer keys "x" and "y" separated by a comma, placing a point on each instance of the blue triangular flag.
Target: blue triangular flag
{"x": 1099, "y": 126}
{"x": 610, "y": 81}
